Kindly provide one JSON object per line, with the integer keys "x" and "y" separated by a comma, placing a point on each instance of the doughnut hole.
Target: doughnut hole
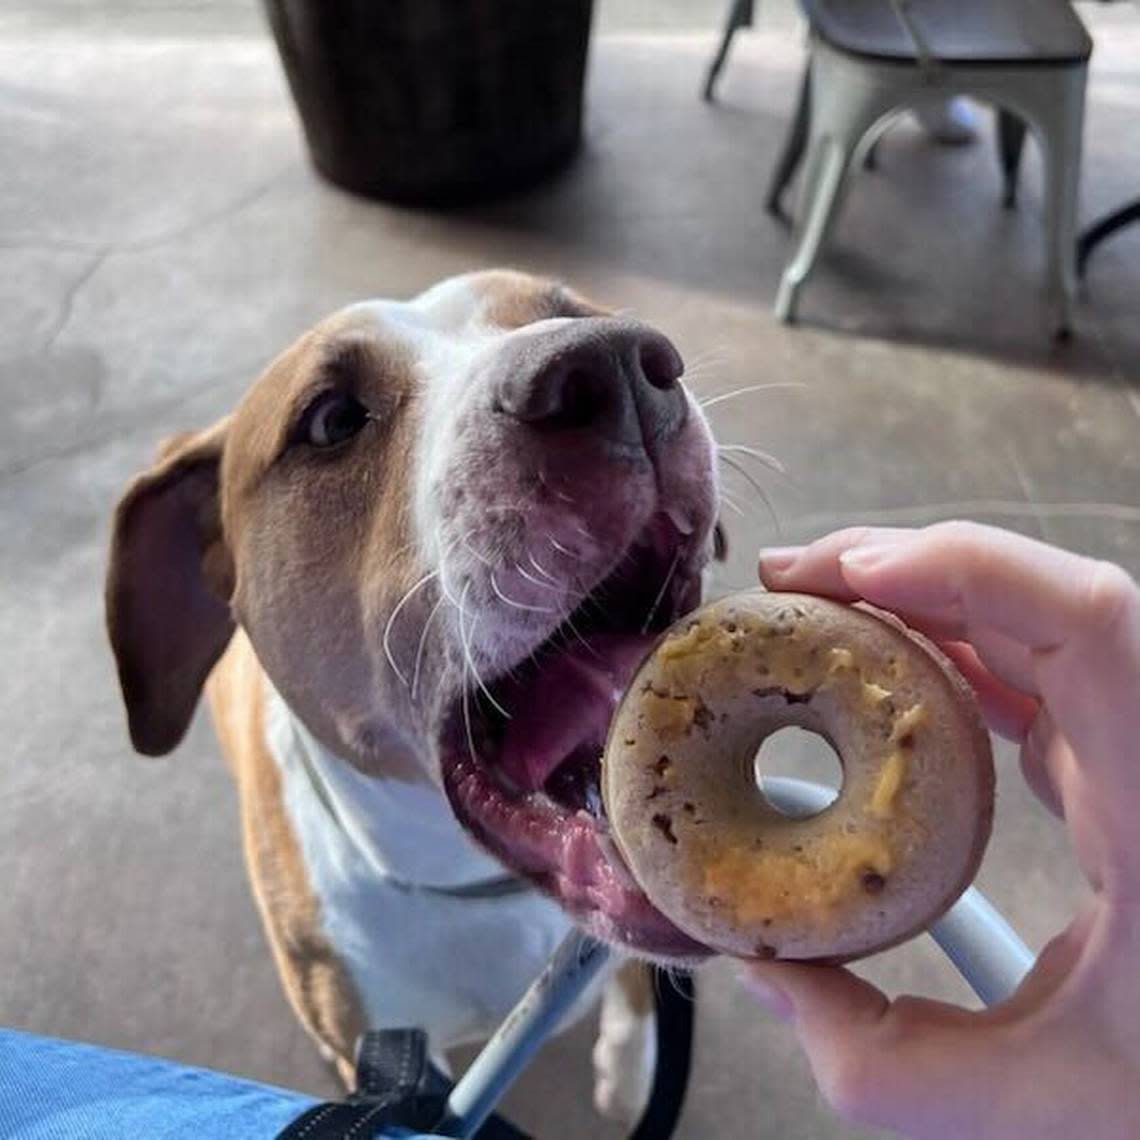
{"x": 801, "y": 754}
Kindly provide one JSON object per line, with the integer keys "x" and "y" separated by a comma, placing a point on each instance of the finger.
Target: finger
{"x": 1036, "y": 594}
{"x": 814, "y": 569}
{"x": 1005, "y": 658}
{"x": 1041, "y": 766}
{"x": 1051, "y": 970}
{"x": 878, "y": 1062}
{"x": 1007, "y": 710}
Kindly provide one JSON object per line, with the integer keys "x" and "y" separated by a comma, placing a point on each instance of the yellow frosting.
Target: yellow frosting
{"x": 907, "y": 722}
{"x": 757, "y": 885}
{"x": 873, "y": 694}
{"x": 882, "y": 802}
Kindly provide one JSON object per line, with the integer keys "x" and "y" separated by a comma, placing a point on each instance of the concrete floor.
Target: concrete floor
{"x": 162, "y": 235}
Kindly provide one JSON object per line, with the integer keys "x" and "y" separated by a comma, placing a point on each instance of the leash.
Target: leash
{"x": 398, "y": 1089}
{"x": 399, "y": 1092}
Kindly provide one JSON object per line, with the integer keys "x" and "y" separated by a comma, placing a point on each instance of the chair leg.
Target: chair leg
{"x": 1061, "y": 236}
{"x": 740, "y": 15}
{"x": 794, "y": 144}
{"x": 1061, "y": 121}
{"x": 1010, "y": 140}
{"x": 826, "y": 168}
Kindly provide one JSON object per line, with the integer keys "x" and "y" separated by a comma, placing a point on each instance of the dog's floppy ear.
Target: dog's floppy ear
{"x": 168, "y": 588}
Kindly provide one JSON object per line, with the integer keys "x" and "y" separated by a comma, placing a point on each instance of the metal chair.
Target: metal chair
{"x": 871, "y": 58}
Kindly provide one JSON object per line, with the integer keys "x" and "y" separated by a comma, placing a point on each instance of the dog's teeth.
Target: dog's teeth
{"x": 594, "y": 802}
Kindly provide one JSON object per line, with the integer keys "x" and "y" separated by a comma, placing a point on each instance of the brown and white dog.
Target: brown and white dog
{"x": 415, "y": 569}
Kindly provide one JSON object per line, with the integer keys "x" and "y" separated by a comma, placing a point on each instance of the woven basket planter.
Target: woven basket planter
{"x": 435, "y": 101}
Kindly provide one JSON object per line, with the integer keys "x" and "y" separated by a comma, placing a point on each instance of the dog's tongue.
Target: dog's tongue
{"x": 569, "y": 705}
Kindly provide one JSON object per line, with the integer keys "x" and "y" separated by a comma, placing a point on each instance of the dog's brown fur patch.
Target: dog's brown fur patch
{"x": 316, "y": 983}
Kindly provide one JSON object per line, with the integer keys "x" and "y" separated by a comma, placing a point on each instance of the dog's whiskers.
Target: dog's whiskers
{"x": 560, "y": 548}
{"x": 545, "y": 573}
{"x": 722, "y": 396}
{"x": 455, "y": 605}
{"x": 465, "y": 640}
{"x": 392, "y": 618}
{"x": 769, "y": 461}
{"x": 714, "y": 357}
{"x": 568, "y": 621}
{"x": 745, "y": 474}
{"x": 517, "y": 605}
{"x": 467, "y": 717}
{"x": 557, "y": 493}
{"x": 731, "y": 503}
{"x": 524, "y": 573}
{"x": 467, "y": 545}
{"x": 423, "y": 641}
{"x": 464, "y": 540}
{"x": 661, "y": 592}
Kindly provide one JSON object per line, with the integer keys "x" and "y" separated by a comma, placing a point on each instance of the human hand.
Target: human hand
{"x": 1050, "y": 642}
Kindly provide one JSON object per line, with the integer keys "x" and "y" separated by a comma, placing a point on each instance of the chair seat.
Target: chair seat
{"x": 975, "y": 32}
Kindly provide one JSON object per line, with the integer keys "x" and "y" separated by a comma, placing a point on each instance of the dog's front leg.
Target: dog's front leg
{"x": 625, "y": 1054}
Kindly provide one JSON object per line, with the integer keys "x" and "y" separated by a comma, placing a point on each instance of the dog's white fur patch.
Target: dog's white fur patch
{"x": 453, "y": 966}
{"x": 625, "y": 1057}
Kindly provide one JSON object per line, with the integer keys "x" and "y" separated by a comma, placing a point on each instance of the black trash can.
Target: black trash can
{"x": 436, "y": 101}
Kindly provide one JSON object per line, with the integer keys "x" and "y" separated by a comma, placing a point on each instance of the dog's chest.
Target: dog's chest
{"x": 415, "y": 911}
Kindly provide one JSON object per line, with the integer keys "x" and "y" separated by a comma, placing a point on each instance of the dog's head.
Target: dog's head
{"x": 450, "y": 528}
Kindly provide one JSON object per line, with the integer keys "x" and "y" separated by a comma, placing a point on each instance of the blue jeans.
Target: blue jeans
{"x": 60, "y": 1090}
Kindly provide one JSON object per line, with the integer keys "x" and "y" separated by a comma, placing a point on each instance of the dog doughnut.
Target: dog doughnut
{"x": 900, "y": 843}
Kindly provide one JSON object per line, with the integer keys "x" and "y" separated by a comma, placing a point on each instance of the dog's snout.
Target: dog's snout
{"x": 617, "y": 379}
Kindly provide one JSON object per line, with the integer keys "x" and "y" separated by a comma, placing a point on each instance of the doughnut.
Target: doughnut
{"x": 899, "y": 844}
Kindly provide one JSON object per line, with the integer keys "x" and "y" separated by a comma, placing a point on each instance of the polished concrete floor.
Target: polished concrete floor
{"x": 162, "y": 235}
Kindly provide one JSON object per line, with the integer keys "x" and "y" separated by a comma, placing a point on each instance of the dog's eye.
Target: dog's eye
{"x": 332, "y": 418}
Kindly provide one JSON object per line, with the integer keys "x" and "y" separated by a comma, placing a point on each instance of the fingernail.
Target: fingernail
{"x": 864, "y": 557}
{"x": 771, "y": 997}
{"x": 778, "y": 559}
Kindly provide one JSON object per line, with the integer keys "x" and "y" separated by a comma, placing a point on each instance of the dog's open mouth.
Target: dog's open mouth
{"x": 522, "y": 757}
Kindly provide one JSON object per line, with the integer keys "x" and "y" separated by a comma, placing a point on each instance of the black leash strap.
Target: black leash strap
{"x": 675, "y": 1000}
{"x": 396, "y": 1084}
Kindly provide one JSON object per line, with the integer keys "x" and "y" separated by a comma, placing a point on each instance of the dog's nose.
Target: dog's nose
{"x": 615, "y": 378}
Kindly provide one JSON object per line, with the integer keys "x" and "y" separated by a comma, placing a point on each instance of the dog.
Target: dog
{"x": 414, "y": 571}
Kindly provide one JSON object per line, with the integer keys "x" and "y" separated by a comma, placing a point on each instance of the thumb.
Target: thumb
{"x": 922, "y": 1067}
